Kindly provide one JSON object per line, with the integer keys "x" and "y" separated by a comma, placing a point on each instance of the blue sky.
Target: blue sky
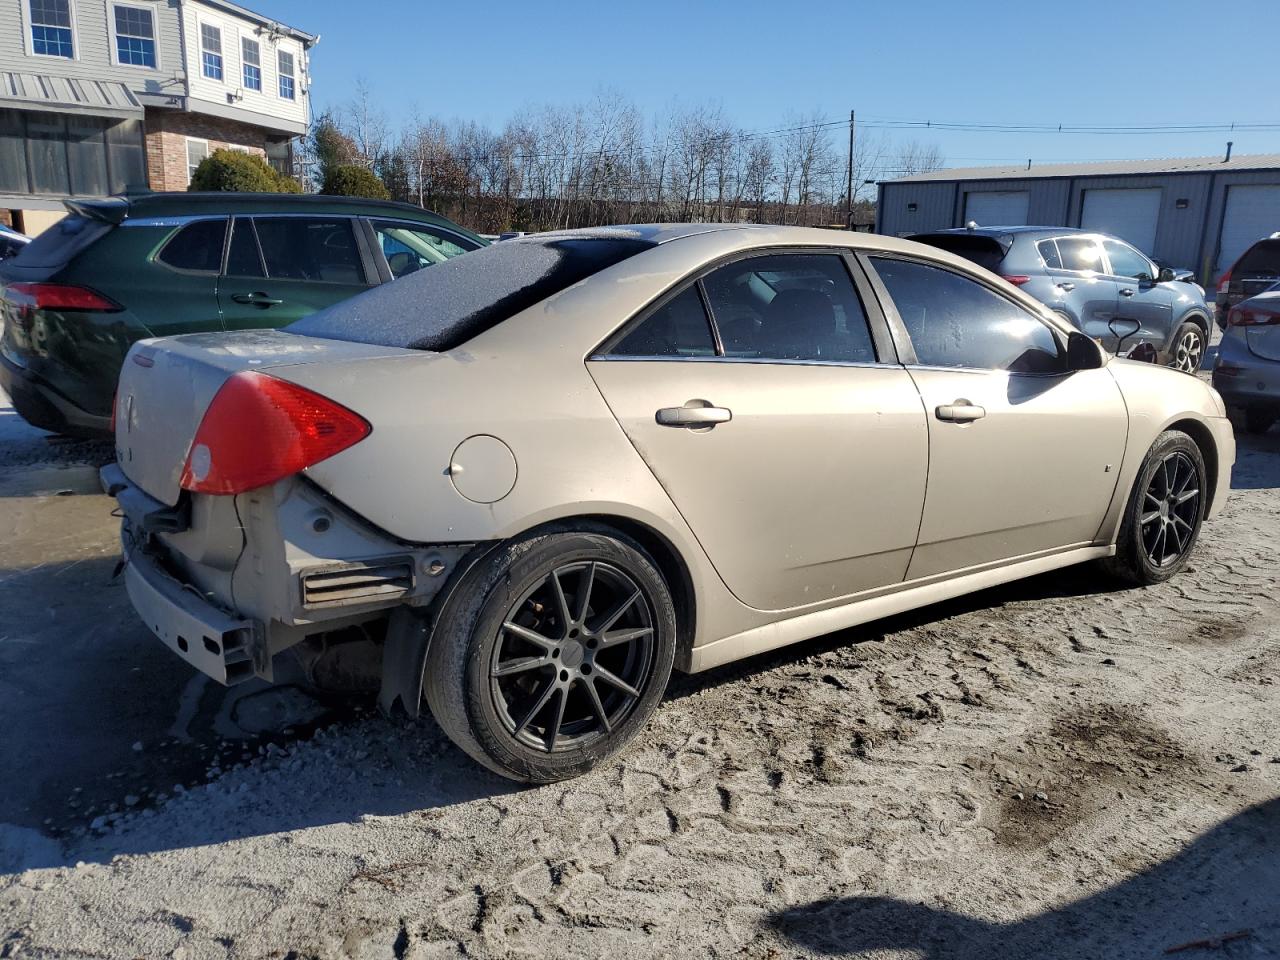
{"x": 1083, "y": 63}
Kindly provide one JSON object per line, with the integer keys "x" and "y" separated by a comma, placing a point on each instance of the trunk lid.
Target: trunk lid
{"x": 167, "y": 384}
{"x": 1264, "y": 340}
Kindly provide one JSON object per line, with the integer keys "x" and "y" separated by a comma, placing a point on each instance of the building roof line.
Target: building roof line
{"x": 1161, "y": 166}
{"x": 310, "y": 39}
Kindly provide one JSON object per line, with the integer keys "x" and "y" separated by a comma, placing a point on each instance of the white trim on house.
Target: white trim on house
{"x": 221, "y": 52}
{"x": 191, "y": 167}
{"x": 28, "y": 41}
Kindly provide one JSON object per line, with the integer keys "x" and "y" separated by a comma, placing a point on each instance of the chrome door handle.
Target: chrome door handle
{"x": 693, "y": 414}
{"x": 256, "y": 299}
{"x": 1126, "y": 292}
{"x": 962, "y": 411}
{"x": 1067, "y": 286}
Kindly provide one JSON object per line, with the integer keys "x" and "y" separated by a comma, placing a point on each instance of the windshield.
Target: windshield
{"x": 440, "y": 308}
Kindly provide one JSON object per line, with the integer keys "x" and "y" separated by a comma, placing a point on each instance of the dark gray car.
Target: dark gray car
{"x": 1247, "y": 372}
{"x": 1104, "y": 286}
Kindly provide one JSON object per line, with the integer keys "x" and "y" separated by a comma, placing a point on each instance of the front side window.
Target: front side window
{"x": 197, "y": 246}
{"x": 51, "y": 28}
{"x": 679, "y": 328}
{"x": 409, "y": 249}
{"x": 957, "y": 322}
{"x": 251, "y": 58}
{"x": 1081, "y": 254}
{"x": 286, "y": 74}
{"x": 789, "y": 307}
{"x": 211, "y": 51}
{"x": 1127, "y": 262}
{"x": 305, "y": 248}
{"x": 135, "y": 36}
{"x": 197, "y": 151}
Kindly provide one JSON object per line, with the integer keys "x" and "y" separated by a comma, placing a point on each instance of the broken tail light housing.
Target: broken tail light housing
{"x": 260, "y": 429}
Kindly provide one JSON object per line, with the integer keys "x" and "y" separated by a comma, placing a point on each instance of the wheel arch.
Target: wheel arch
{"x": 409, "y": 631}
{"x": 1202, "y": 436}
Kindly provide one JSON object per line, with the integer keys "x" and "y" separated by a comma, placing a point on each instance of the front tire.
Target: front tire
{"x": 552, "y": 653}
{"x": 1188, "y": 347}
{"x": 1162, "y": 519}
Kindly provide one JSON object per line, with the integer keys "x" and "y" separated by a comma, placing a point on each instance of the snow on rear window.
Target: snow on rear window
{"x": 445, "y": 305}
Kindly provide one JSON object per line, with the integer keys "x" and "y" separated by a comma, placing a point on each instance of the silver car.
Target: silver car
{"x": 1100, "y": 284}
{"x": 567, "y": 463}
{"x": 1247, "y": 370}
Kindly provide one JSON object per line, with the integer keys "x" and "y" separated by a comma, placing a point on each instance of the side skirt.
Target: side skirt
{"x": 802, "y": 627}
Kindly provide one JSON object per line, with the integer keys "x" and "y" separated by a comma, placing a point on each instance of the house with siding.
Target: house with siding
{"x": 100, "y": 96}
{"x": 1200, "y": 213}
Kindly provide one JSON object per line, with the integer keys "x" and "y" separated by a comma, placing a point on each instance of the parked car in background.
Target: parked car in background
{"x": 1247, "y": 371}
{"x": 1102, "y": 285}
{"x": 1257, "y": 270}
{"x": 11, "y": 242}
{"x": 115, "y": 271}
{"x": 514, "y": 470}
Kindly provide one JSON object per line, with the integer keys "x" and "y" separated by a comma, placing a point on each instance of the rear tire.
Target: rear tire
{"x": 538, "y": 682}
{"x": 1258, "y": 420}
{"x": 1188, "y": 347}
{"x": 1161, "y": 521}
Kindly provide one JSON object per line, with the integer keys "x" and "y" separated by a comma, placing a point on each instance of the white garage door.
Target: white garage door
{"x": 1253, "y": 212}
{"x": 1128, "y": 214}
{"x": 1000, "y": 208}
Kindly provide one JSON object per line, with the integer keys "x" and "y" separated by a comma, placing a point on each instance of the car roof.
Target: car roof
{"x": 996, "y": 231}
{"x": 744, "y": 235}
{"x": 172, "y": 204}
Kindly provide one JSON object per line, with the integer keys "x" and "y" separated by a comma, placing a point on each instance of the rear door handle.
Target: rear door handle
{"x": 694, "y": 414}
{"x": 1126, "y": 292}
{"x": 256, "y": 299}
{"x": 962, "y": 411}
{"x": 1067, "y": 286}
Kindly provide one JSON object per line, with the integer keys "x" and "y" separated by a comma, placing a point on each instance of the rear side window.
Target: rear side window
{"x": 310, "y": 248}
{"x": 1048, "y": 250}
{"x": 440, "y": 308}
{"x": 1081, "y": 254}
{"x": 679, "y": 328}
{"x": 955, "y": 322}
{"x": 789, "y": 307}
{"x": 197, "y": 246}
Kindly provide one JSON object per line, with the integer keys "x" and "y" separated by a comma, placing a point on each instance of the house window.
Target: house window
{"x": 51, "y": 28}
{"x": 250, "y": 57}
{"x": 211, "y": 51}
{"x": 197, "y": 150}
{"x": 135, "y": 37}
{"x": 286, "y": 75}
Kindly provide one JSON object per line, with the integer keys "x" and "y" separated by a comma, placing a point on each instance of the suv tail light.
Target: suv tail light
{"x": 64, "y": 296}
{"x": 1224, "y": 281}
{"x": 1017, "y": 280}
{"x": 259, "y": 429}
{"x": 1251, "y": 318}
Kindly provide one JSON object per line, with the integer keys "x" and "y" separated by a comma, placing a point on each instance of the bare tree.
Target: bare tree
{"x": 914, "y": 157}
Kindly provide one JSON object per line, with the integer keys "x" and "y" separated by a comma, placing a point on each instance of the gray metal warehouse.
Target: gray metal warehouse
{"x": 1198, "y": 213}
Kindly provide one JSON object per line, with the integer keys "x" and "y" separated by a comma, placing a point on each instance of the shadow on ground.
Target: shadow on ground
{"x": 1225, "y": 882}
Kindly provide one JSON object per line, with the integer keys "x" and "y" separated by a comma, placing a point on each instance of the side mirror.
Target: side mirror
{"x": 1082, "y": 352}
{"x": 1166, "y": 275}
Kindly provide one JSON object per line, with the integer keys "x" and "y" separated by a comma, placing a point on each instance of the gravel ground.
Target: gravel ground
{"x": 1056, "y": 768}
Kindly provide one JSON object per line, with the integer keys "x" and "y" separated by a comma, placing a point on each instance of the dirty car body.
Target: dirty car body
{"x": 570, "y": 462}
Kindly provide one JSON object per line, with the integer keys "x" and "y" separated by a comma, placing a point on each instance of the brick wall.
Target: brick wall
{"x": 167, "y": 133}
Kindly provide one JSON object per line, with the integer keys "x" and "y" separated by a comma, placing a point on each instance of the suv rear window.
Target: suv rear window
{"x": 1260, "y": 260}
{"x": 59, "y": 243}
{"x": 984, "y": 251}
{"x": 440, "y": 308}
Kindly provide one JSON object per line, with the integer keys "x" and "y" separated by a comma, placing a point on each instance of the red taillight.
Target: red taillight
{"x": 1237, "y": 317}
{"x": 64, "y": 296}
{"x": 1017, "y": 280}
{"x": 259, "y": 430}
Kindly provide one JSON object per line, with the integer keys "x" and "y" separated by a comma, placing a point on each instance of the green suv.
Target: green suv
{"x": 157, "y": 264}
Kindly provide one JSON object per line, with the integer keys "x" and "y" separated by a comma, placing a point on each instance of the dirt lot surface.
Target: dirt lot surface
{"x": 1053, "y": 769}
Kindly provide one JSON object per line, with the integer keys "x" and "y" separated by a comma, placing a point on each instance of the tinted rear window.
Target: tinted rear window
{"x": 1262, "y": 259}
{"x": 984, "y": 251}
{"x": 57, "y": 245}
{"x": 440, "y": 308}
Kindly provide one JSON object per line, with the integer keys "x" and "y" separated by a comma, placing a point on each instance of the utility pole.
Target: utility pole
{"x": 848, "y": 194}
